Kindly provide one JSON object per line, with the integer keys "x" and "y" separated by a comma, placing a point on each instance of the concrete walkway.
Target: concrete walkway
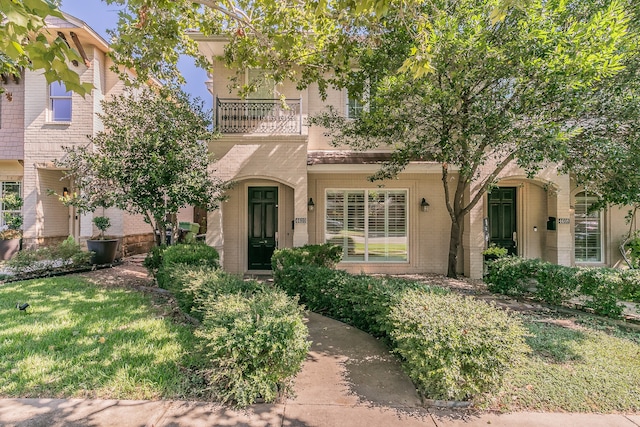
{"x": 349, "y": 379}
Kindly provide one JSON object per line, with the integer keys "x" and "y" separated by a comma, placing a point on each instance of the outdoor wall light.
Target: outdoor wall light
{"x": 424, "y": 205}
{"x": 311, "y": 206}
{"x": 65, "y": 192}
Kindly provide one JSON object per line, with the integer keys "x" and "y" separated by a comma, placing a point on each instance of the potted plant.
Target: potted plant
{"x": 494, "y": 252}
{"x": 104, "y": 250}
{"x": 11, "y": 232}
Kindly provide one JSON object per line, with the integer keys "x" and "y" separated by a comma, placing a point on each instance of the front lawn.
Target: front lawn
{"x": 577, "y": 364}
{"x": 80, "y": 340}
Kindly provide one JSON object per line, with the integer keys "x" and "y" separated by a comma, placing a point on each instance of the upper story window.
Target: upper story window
{"x": 370, "y": 225}
{"x": 355, "y": 107}
{"x": 588, "y": 229}
{"x": 60, "y": 103}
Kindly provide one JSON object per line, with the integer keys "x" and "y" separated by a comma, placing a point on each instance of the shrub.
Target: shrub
{"x": 511, "y": 275}
{"x": 634, "y": 250}
{"x": 196, "y": 254}
{"x": 194, "y": 286}
{"x": 66, "y": 255}
{"x": 254, "y": 344}
{"x": 102, "y": 223}
{"x": 359, "y": 300}
{"x": 153, "y": 261}
{"x": 401, "y": 311}
{"x": 494, "y": 252}
{"x": 555, "y": 283}
{"x": 454, "y": 347}
{"x": 252, "y": 335}
{"x": 630, "y": 290}
{"x": 603, "y": 286}
{"x": 325, "y": 255}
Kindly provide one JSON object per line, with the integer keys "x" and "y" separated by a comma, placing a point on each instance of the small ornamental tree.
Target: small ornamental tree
{"x": 152, "y": 159}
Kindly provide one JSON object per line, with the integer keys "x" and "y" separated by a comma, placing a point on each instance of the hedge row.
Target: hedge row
{"x": 326, "y": 255}
{"x": 602, "y": 289}
{"x": 252, "y": 335}
{"x": 452, "y": 347}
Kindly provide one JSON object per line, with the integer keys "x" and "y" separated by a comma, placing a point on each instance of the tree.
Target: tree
{"x": 151, "y": 159}
{"x": 454, "y": 86}
{"x": 25, "y": 43}
{"x": 609, "y": 166}
{"x": 302, "y": 41}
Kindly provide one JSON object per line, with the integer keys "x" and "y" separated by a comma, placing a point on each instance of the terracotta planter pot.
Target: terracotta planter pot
{"x": 9, "y": 248}
{"x": 104, "y": 251}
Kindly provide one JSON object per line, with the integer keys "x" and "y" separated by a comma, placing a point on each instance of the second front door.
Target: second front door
{"x": 263, "y": 226}
{"x": 502, "y": 218}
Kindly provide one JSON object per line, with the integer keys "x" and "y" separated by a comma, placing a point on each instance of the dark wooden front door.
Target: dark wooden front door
{"x": 263, "y": 226}
{"x": 502, "y": 218}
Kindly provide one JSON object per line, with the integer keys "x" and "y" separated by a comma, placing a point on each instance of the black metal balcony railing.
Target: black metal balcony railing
{"x": 272, "y": 116}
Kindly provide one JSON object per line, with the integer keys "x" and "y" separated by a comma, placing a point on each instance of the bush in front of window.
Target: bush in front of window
{"x": 325, "y": 255}
{"x": 359, "y": 300}
{"x": 630, "y": 286}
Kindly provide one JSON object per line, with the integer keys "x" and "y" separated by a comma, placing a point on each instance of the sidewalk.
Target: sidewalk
{"x": 349, "y": 379}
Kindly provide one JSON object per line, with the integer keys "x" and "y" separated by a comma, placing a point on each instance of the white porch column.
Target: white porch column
{"x": 559, "y": 242}
{"x": 300, "y": 231}
{"x": 215, "y": 232}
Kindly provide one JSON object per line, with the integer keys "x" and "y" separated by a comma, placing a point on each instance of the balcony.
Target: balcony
{"x": 259, "y": 116}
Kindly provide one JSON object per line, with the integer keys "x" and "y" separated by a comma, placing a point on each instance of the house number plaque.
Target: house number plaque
{"x": 564, "y": 221}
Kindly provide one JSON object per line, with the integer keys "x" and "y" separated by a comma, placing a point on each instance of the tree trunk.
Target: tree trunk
{"x": 454, "y": 244}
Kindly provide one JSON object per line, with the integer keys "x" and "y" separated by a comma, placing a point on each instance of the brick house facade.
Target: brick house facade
{"x": 293, "y": 187}
{"x": 36, "y": 121}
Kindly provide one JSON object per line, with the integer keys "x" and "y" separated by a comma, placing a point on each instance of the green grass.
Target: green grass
{"x": 81, "y": 340}
{"x": 586, "y": 368}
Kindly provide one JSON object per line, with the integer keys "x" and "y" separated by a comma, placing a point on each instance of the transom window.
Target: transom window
{"x": 60, "y": 102}
{"x": 370, "y": 225}
{"x": 588, "y": 230}
{"x": 8, "y": 214}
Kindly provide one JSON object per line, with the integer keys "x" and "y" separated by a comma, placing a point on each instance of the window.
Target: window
{"x": 370, "y": 225}
{"x": 59, "y": 103}
{"x": 9, "y": 215}
{"x": 356, "y": 106}
{"x": 263, "y": 85}
{"x": 588, "y": 230}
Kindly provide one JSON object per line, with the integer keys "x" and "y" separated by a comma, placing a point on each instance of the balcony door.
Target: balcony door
{"x": 265, "y": 87}
{"x": 263, "y": 226}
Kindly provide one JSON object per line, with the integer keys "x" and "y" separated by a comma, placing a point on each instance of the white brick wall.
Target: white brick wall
{"x": 26, "y": 134}
{"x": 12, "y": 121}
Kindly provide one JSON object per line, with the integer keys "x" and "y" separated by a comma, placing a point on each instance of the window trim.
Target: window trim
{"x": 366, "y": 254}
{"x": 586, "y": 196}
{"x": 51, "y": 98}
